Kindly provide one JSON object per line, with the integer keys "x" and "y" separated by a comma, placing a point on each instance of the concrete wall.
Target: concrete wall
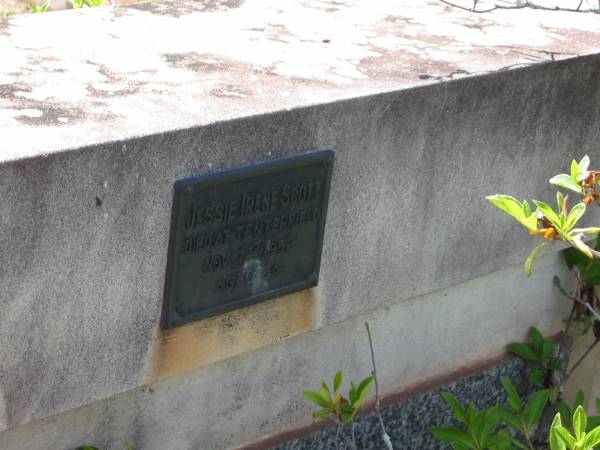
{"x": 410, "y": 245}
{"x": 258, "y": 393}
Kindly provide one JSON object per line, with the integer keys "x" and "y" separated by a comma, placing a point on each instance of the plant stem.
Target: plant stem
{"x": 524, "y": 430}
{"x": 577, "y": 299}
{"x": 353, "y": 436}
{"x": 337, "y": 436}
{"x": 565, "y": 333}
{"x": 386, "y": 437}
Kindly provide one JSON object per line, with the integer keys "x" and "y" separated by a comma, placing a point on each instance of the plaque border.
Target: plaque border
{"x": 170, "y": 319}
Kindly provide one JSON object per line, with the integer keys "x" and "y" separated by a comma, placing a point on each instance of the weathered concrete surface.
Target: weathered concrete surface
{"x": 84, "y": 229}
{"x": 242, "y": 399}
{"x": 186, "y": 63}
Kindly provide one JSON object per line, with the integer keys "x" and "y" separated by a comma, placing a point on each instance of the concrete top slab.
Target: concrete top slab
{"x": 82, "y": 77}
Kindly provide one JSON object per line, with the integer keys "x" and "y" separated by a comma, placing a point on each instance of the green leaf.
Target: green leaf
{"x": 325, "y": 394}
{"x": 337, "y": 382}
{"x": 584, "y": 164}
{"x": 536, "y": 376}
{"x": 500, "y": 440}
{"x": 316, "y": 398}
{"x": 556, "y": 443}
{"x": 454, "y": 435}
{"x": 352, "y": 393}
{"x": 347, "y": 417}
{"x": 523, "y": 351}
{"x": 579, "y": 422}
{"x": 592, "y": 438}
{"x": 457, "y": 410}
{"x": 560, "y": 203}
{"x": 574, "y": 257}
{"x": 457, "y": 446}
{"x": 591, "y": 274}
{"x": 574, "y": 215}
{"x": 514, "y": 400}
{"x": 565, "y": 181}
{"x": 470, "y": 414}
{"x": 549, "y": 213}
{"x": 531, "y": 258}
{"x": 592, "y": 422}
{"x": 565, "y": 412}
{"x": 575, "y": 171}
{"x": 514, "y": 208}
{"x": 362, "y": 390}
{"x": 565, "y": 436}
{"x": 535, "y": 408}
{"x": 537, "y": 340}
{"x": 485, "y": 424}
{"x": 548, "y": 349}
{"x": 509, "y": 417}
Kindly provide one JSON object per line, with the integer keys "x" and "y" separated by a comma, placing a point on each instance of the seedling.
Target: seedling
{"x": 478, "y": 430}
{"x": 333, "y": 404}
{"x": 561, "y": 438}
{"x": 541, "y": 352}
{"x": 35, "y": 8}
{"x": 566, "y": 412}
{"x": 522, "y": 417}
{"x": 78, "y": 4}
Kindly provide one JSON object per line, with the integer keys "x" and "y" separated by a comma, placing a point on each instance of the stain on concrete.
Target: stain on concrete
{"x": 196, "y": 62}
{"x": 231, "y": 91}
{"x": 227, "y": 335}
{"x": 179, "y": 9}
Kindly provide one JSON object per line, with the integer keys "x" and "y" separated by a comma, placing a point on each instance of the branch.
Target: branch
{"x": 473, "y": 10}
{"x": 577, "y": 298}
{"x": 525, "y": 5}
{"x": 386, "y": 437}
{"x": 580, "y": 360}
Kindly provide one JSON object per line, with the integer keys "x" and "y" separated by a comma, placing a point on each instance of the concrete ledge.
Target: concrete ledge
{"x": 170, "y": 65}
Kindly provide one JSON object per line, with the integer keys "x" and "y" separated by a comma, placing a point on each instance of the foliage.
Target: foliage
{"x": 478, "y": 430}
{"x": 522, "y": 417}
{"x": 333, "y": 404}
{"x": 589, "y": 269}
{"x": 540, "y": 352}
{"x": 566, "y": 412}
{"x": 35, "y": 8}
{"x": 556, "y": 225}
{"x": 580, "y": 438}
{"x": 78, "y": 4}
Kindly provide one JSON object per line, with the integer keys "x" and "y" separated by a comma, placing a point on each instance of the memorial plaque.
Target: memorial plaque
{"x": 245, "y": 235}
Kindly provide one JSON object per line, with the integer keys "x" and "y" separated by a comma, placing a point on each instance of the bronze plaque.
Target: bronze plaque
{"x": 245, "y": 235}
